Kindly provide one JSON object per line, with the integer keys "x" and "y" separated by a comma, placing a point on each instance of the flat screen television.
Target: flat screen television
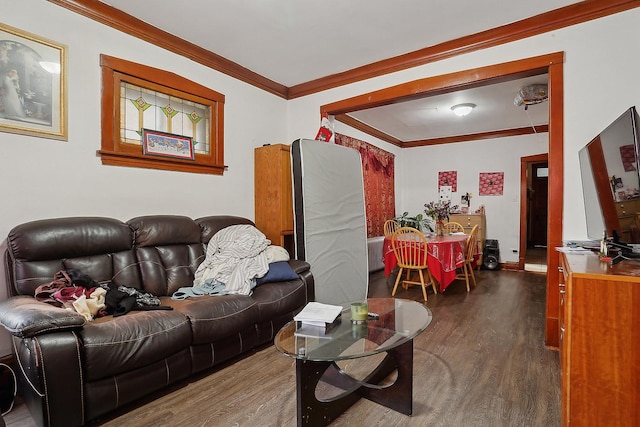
{"x": 611, "y": 180}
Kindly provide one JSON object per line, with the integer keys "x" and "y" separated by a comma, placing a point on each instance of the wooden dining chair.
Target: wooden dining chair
{"x": 470, "y": 248}
{"x": 453, "y": 227}
{"x": 410, "y": 248}
{"x": 390, "y": 227}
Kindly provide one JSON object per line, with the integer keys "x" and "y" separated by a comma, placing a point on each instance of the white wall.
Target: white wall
{"x": 419, "y": 175}
{"x": 600, "y": 82}
{"x": 417, "y": 178}
{"x": 43, "y": 178}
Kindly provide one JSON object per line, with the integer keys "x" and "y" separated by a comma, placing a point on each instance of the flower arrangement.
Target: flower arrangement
{"x": 440, "y": 210}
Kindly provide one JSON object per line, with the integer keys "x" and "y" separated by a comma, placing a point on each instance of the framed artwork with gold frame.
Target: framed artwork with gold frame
{"x": 33, "y": 98}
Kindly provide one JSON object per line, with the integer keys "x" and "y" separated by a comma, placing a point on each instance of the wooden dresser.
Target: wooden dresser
{"x": 273, "y": 196}
{"x": 599, "y": 341}
{"x": 626, "y": 212}
{"x": 468, "y": 221}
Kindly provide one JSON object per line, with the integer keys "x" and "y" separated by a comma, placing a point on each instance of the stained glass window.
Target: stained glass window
{"x": 143, "y": 108}
{"x": 136, "y": 98}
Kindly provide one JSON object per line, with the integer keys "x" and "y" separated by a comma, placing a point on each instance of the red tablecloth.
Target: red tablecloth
{"x": 445, "y": 254}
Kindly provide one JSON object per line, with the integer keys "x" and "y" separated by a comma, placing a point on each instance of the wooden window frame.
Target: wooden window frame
{"x": 114, "y": 152}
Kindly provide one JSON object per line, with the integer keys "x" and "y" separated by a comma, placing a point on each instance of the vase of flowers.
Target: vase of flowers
{"x": 439, "y": 211}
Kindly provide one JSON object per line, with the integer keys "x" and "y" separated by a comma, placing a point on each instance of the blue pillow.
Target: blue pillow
{"x": 279, "y": 271}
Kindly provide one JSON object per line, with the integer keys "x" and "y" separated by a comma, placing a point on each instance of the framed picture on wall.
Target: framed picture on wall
{"x": 491, "y": 183}
{"x": 165, "y": 144}
{"x": 448, "y": 178}
{"x": 33, "y": 97}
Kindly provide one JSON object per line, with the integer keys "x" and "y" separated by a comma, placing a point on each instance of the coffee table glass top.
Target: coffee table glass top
{"x": 400, "y": 320}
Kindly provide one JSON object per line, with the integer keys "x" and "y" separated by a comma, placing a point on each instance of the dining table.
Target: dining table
{"x": 444, "y": 255}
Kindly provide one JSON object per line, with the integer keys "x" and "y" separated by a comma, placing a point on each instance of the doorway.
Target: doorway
{"x": 534, "y": 219}
{"x": 551, "y": 64}
{"x": 537, "y": 200}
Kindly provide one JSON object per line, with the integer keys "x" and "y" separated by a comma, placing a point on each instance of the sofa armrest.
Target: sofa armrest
{"x": 25, "y": 317}
{"x": 299, "y": 266}
{"x": 304, "y": 271}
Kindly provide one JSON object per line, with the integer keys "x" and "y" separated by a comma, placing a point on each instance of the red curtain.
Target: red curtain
{"x": 379, "y": 194}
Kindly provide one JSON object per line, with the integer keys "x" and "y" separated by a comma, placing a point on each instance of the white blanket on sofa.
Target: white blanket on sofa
{"x": 235, "y": 255}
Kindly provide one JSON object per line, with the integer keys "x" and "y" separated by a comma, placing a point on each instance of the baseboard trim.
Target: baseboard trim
{"x": 509, "y": 266}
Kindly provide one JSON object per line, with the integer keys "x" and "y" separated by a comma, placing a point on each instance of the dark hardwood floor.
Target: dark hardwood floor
{"x": 481, "y": 362}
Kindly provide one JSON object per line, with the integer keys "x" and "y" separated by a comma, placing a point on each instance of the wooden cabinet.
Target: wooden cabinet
{"x": 626, "y": 212}
{"x": 599, "y": 341}
{"x": 468, "y": 221}
{"x": 273, "y": 196}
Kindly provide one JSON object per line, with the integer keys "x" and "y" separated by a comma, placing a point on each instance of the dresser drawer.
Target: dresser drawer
{"x": 626, "y": 221}
{"x": 628, "y": 207}
{"x": 467, "y": 221}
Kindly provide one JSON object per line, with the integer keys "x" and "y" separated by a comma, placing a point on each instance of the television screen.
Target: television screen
{"x": 610, "y": 180}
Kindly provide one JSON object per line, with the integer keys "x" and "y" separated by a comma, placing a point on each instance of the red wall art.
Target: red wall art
{"x": 491, "y": 183}
{"x": 448, "y": 178}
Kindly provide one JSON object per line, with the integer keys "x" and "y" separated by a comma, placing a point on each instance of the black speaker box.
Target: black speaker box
{"x": 491, "y": 255}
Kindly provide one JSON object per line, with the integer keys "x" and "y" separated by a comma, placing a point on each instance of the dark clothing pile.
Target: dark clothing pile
{"x": 122, "y": 299}
{"x": 74, "y": 290}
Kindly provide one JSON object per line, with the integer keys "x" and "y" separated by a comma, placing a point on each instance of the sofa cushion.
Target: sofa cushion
{"x": 99, "y": 247}
{"x": 210, "y": 225}
{"x": 278, "y": 271}
{"x": 215, "y": 317}
{"x": 168, "y": 249}
{"x": 139, "y": 338}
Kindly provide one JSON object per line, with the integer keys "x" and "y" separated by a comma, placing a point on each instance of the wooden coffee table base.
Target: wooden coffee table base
{"x": 397, "y": 396}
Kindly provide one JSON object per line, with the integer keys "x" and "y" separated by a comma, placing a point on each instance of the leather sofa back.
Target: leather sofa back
{"x": 99, "y": 247}
{"x": 169, "y": 250}
{"x": 154, "y": 253}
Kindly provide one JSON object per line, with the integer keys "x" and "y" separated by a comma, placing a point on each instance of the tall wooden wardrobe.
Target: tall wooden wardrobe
{"x": 273, "y": 196}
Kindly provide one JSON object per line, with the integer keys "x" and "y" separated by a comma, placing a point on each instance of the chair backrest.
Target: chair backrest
{"x": 390, "y": 227}
{"x": 472, "y": 243}
{"x": 453, "y": 227}
{"x": 410, "y": 247}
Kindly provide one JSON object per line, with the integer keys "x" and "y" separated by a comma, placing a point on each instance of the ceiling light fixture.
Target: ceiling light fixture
{"x": 463, "y": 109}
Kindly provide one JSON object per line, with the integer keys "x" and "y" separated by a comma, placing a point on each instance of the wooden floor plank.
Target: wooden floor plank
{"x": 481, "y": 362}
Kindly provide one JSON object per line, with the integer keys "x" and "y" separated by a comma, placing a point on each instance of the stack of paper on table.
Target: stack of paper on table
{"x": 318, "y": 314}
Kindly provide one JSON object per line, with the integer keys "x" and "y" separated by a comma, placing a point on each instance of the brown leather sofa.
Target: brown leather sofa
{"x": 72, "y": 371}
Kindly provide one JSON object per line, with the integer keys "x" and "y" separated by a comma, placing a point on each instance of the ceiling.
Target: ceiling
{"x": 296, "y": 41}
{"x": 431, "y": 118}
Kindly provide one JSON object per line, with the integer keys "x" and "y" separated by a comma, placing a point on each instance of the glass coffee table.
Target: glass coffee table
{"x": 316, "y": 353}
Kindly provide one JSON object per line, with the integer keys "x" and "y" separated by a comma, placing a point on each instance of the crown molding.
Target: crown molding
{"x": 128, "y": 24}
{"x": 553, "y": 20}
{"x": 477, "y": 136}
{"x": 363, "y": 127}
{"x": 566, "y": 16}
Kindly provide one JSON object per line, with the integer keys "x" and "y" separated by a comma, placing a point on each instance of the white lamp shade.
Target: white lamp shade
{"x": 463, "y": 109}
